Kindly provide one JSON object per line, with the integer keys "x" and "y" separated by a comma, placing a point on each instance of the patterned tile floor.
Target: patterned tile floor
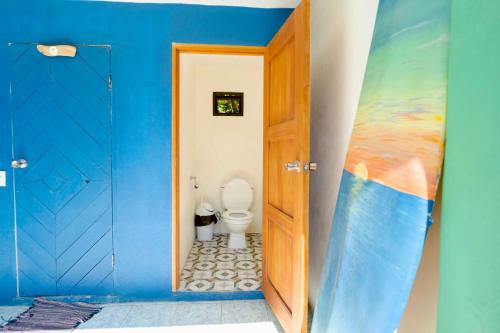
{"x": 212, "y": 266}
{"x": 162, "y": 317}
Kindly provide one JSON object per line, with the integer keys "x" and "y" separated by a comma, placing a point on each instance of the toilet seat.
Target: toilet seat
{"x": 237, "y": 216}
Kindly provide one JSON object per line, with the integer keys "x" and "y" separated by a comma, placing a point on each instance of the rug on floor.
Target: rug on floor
{"x": 50, "y": 315}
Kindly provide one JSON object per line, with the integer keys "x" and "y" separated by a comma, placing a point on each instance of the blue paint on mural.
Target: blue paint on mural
{"x": 391, "y": 173}
{"x": 140, "y": 36}
{"x": 376, "y": 243}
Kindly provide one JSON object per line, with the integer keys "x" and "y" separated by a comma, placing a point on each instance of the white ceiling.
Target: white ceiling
{"x": 235, "y": 3}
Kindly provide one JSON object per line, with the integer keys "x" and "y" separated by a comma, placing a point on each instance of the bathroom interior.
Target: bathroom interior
{"x": 220, "y": 174}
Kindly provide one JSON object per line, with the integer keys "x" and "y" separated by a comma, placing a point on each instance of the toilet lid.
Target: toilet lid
{"x": 237, "y": 194}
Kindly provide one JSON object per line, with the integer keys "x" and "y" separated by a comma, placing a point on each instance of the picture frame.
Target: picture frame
{"x": 228, "y": 104}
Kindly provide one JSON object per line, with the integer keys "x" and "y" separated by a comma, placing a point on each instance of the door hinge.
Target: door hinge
{"x": 110, "y": 83}
{"x": 113, "y": 260}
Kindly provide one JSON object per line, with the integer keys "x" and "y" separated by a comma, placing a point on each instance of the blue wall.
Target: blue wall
{"x": 141, "y": 37}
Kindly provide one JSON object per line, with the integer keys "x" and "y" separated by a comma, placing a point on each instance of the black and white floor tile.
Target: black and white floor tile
{"x": 212, "y": 266}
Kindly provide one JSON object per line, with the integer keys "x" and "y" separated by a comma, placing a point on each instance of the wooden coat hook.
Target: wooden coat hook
{"x": 57, "y": 50}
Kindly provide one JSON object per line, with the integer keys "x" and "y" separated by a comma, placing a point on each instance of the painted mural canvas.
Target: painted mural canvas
{"x": 391, "y": 173}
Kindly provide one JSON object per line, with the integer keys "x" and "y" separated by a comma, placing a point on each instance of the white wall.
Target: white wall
{"x": 186, "y": 158}
{"x": 216, "y": 149}
{"x": 341, "y": 32}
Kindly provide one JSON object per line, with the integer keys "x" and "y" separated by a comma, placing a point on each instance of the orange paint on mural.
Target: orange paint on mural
{"x": 406, "y": 158}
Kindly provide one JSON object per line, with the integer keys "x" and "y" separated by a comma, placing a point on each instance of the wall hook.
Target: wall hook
{"x": 56, "y": 50}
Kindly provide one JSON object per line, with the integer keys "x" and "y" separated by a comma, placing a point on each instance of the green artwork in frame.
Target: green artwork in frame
{"x": 228, "y": 104}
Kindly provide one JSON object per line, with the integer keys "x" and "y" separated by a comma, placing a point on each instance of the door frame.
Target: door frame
{"x": 177, "y": 50}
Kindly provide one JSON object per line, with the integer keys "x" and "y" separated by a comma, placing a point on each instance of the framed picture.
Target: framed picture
{"x": 228, "y": 104}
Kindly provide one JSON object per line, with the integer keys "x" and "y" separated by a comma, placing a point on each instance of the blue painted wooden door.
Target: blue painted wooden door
{"x": 61, "y": 125}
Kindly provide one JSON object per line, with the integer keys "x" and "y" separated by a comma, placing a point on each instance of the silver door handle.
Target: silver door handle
{"x": 311, "y": 166}
{"x": 19, "y": 164}
{"x": 292, "y": 166}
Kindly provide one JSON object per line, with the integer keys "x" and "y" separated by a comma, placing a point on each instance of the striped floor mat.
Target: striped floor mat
{"x": 51, "y": 315}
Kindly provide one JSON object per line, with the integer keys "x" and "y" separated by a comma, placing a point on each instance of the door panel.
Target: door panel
{"x": 282, "y": 84}
{"x": 286, "y": 192}
{"x": 61, "y": 124}
{"x": 280, "y": 266}
{"x": 281, "y": 181}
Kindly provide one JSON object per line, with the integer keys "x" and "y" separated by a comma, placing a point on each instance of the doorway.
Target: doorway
{"x": 220, "y": 141}
{"x": 209, "y": 151}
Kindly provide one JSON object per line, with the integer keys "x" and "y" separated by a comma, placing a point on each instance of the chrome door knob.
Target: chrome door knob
{"x": 311, "y": 166}
{"x": 19, "y": 164}
{"x": 292, "y": 166}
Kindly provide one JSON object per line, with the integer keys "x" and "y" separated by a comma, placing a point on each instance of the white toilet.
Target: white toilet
{"x": 237, "y": 197}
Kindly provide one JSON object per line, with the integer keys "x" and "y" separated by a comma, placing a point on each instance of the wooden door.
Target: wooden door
{"x": 286, "y": 192}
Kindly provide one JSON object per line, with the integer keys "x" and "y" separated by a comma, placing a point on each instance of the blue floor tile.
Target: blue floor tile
{"x": 197, "y": 313}
{"x": 151, "y": 315}
{"x": 244, "y": 312}
{"x": 111, "y": 316}
{"x": 10, "y": 312}
{"x": 167, "y": 314}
